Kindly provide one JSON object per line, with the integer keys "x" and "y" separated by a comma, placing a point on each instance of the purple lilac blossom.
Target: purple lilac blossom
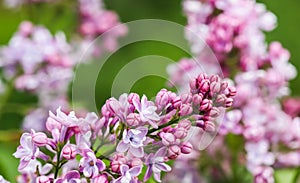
{"x": 261, "y": 73}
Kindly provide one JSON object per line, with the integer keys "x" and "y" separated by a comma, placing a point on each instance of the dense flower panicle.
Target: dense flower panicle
{"x": 133, "y": 132}
{"x": 40, "y": 63}
{"x": 31, "y": 55}
{"x": 234, "y": 30}
{"x": 95, "y": 20}
{"x": 230, "y": 25}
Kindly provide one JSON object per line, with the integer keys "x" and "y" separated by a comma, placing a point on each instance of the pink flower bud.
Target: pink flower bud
{"x": 232, "y": 91}
{"x": 133, "y": 119}
{"x": 167, "y": 138}
{"x": 264, "y": 174}
{"x": 132, "y": 97}
{"x": 186, "y": 148}
{"x": 167, "y": 129}
{"x": 204, "y": 85}
{"x": 202, "y": 76}
{"x": 200, "y": 124}
{"x": 42, "y": 179}
{"x": 112, "y": 106}
{"x": 136, "y": 162}
{"x": 180, "y": 133}
{"x": 197, "y": 99}
{"x": 176, "y": 102}
{"x": 174, "y": 151}
{"x": 185, "y": 124}
{"x": 172, "y": 95}
{"x": 69, "y": 152}
{"x": 39, "y": 138}
{"x": 209, "y": 126}
{"x": 206, "y": 105}
{"x": 221, "y": 100}
{"x": 100, "y": 179}
{"x": 277, "y": 51}
{"x": 186, "y": 98}
{"x": 215, "y": 87}
{"x": 185, "y": 110}
{"x": 104, "y": 111}
{"x": 254, "y": 133}
{"x": 292, "y": 106}
{"x": 206, "y": 125}
{"x": 194, "y": 86}
{"x": 224, "y": 85}
{"x": 229, "y": 102}
{"x": 118, "y": 160}
{"x": 162, "y": 98}
{"x": 214, "y": 112}
{"x": 206, "y": 118}
{"x": 87, "y": 28}
{"x": 26, "y": 28}
{"x": 214, "y": 78}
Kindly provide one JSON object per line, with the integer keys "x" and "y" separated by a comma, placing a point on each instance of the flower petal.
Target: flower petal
{"x": 135, "y": 171}
{"x": 122, "y": 147}
{"x": 148, "y": 173}
{"x": 100, "y": 164}
{"x": 157, "y": 176}
{"x": 163, "y": 167}
{"x": 162, "y": 152}
{"x": 124, "y": 168}
{"x": 72, "y": 175}
{"x": 137, "y": 152}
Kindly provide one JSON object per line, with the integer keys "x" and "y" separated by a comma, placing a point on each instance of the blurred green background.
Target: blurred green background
{"x": 62, "y": 16}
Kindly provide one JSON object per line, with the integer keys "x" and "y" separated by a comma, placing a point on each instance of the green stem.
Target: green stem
{"x": 102, "y": 157}
{"x": 103, "y": 142}
{"x": 112, "y": 174}
{"x": 296, "y": 177}
{"x": 58, "y": 166}
{"x": 121, "y": 132}
{"x": 110, "y": 152}
{"x": 171, "y": 122}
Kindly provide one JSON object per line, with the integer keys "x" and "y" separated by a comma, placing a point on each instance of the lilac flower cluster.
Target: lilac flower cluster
{"x": 235, "y": 32}
{"x": 228, "y": 25}
{"x": 95, "y": 20}
{"x": 133, "y": 133}
{"x": 39, "y": 63}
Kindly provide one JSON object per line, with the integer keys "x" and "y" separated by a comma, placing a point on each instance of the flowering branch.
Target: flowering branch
{"x": 127, "y": 125}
